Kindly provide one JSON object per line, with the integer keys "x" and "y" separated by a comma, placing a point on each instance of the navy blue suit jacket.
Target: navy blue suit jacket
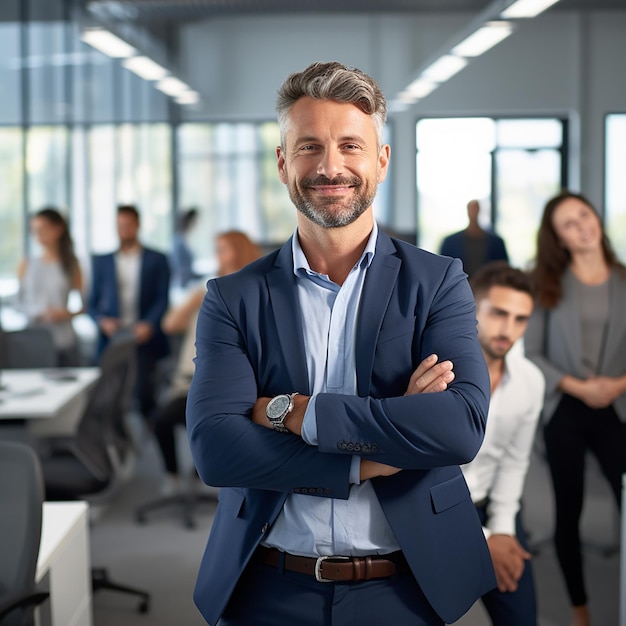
{"x": 153, "y": 296}
{"x": 454, "y": 246}
{"x": 250, "y": 344}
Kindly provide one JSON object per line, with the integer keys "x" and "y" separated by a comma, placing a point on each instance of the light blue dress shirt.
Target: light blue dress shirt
{"x": 318, "y": 526}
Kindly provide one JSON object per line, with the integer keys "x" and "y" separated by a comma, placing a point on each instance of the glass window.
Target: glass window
{"x": 453, "y": 167}
{"x": 143, "y": 178}
{"x": 10, "y": 64}
{"x": 228, "y": 171}
{"x": 47, "y": 76}
{"x": 525, "y": 179}
{"x": 539, "y": 133}
{"x": 511, "y": 166}
{"x": 46, "y": 167}
{"x": 615, "y": 192}
{"x": 130, "y": 164}
{"x": 11, "y": 201}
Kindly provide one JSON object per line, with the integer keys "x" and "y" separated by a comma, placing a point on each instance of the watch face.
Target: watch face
{"x": 277, "y": 406}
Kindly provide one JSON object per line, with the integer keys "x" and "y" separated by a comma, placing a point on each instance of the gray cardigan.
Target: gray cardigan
{"x": 553, "y": 341}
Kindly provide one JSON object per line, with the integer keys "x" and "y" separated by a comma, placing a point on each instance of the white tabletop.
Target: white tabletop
{"x": 42, "y": 393}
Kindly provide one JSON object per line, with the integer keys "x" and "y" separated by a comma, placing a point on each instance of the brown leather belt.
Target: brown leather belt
{"x": 327, "y": 569}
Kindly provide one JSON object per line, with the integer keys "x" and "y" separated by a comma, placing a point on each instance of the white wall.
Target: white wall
{"x": 561, "y": 63}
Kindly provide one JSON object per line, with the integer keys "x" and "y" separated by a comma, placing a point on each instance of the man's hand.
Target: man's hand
{"x": 371, "y": 469}
{"x": 293, "y": 421}
{"x": 509, "y": 560}
{"x": 430, "y": 376}
{"x": 143, "y": 331}
{"x": 109, "y": 325}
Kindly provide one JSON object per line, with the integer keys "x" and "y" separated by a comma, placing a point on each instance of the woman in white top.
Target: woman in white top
{"x": 47, "y": 280}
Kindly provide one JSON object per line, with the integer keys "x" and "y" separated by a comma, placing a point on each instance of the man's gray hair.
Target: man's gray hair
{"x": 332, "y": 81}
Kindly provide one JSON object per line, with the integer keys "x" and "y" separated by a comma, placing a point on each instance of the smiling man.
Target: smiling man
{"x": 342, "y": 500}
{"x": 504, "y": 303}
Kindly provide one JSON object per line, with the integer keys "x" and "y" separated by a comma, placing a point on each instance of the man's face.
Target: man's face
{"x": 127, "y": 228}
{"x": 502, "y": 315}
{"x": 331, "y": 162}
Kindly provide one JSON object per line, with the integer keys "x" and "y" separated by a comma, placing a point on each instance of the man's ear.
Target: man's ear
{"x": 280, "y": 161}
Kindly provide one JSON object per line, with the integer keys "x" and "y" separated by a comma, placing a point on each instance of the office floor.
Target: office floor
{"x": 163, "y": 556}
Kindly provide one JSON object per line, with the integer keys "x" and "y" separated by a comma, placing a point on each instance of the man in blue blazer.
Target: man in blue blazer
{"x": 341, "y": 498}
{"x": 474, "y": 245}
{"x": 129, "y": 292}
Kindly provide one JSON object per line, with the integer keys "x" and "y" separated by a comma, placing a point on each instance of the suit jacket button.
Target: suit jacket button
{"x": 265, "y": 528}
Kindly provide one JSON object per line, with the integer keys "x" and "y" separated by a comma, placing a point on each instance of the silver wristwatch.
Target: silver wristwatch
{"x": 277, "y": 410}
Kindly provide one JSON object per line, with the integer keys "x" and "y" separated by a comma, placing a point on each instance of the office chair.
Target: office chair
{"x": 186, "y": 501}
{"x": 31, "y": 347}
{"x": 89, "y": 465}
{"x": 21, "y": 498}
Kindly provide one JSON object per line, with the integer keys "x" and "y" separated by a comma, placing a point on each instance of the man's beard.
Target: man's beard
{"x": 332, "y": 212}
{"x": 496, "y": 354}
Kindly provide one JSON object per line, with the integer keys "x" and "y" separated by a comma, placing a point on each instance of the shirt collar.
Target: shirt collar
{"x": 300, "y": 261}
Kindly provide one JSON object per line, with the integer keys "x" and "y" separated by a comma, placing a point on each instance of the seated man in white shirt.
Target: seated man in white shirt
{"x": 504, "y": 303}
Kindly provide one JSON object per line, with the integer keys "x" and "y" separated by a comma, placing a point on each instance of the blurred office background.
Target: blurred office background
{"x": 545, "y": 108}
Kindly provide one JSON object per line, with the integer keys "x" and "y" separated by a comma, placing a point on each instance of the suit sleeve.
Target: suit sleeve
{"x": 228, "y": 449}
{"x": 428, "y": 430}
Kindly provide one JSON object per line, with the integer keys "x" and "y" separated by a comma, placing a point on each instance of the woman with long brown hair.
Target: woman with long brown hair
{"x": 47, "y": 280}
{"x": 577, "y": 336}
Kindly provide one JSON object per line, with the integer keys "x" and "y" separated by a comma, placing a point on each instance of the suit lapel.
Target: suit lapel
{"x": 283, "y": 292}
{"x": 379, "y": 284}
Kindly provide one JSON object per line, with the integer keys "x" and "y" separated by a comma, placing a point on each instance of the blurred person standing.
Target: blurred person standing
{"x": 577, "y": 336}
{"x": 234, "y": 250}
{"x": 181, "y": 256}
{"x": 474, "y": 245}
{"x": 504, "y": 303}
{"x": 129, "y": 293}
{"x": 47, "y": 280}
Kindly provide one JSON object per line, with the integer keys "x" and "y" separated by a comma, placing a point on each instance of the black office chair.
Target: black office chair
{"x": 89, "y": 465}
{"x": 31, "y": 347}
{"x": 21, "y": 500}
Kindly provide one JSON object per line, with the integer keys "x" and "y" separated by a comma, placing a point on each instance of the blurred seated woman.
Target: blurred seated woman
{"x": 234, "y": 250}
{"x": 46, "y": 281}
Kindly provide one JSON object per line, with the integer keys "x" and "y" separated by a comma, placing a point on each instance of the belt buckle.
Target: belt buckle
{"x": 318, "y": 567}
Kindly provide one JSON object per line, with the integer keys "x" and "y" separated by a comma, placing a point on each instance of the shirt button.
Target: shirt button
{"x": 265, "y": 528}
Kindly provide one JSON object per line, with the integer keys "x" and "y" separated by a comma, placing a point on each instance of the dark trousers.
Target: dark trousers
{"x": 573, "y": 430}
{"x": 512, "y": 608}
{"x": 146, "y": 384}
{"x": 167, "y": 418}
{"x": 267, "y": 596}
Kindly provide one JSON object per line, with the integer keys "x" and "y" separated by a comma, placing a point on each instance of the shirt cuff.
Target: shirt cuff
{"x": 501, "y": 525}
{"x": 309, "y": 423}
{"x": 355, "y": 470}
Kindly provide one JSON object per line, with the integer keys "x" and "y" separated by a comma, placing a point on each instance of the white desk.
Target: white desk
{"x": 64, "y": 565}
{"x": 50, "y": 402}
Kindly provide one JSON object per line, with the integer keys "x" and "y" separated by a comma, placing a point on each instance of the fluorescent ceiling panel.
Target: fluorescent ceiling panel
{"x": 108, "y": 43}
{"x": 527, "y": 8}
{"x": 483, "y": 39}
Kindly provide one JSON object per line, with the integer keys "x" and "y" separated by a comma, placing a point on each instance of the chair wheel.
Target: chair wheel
{"x": 144, "y": 607}
{"x": 140, "y": 518}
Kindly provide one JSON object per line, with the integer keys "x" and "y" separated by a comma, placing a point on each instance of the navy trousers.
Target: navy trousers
{"x": 270, "y": 596}
{"x": 512, "y": 608}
